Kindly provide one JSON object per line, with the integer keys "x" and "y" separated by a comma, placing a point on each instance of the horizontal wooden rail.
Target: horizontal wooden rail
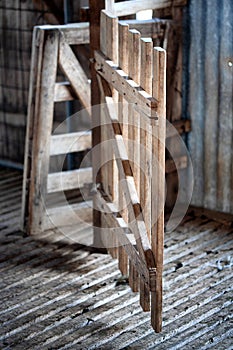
{"x": 69, "y": 180}
{"x": 151, "y": 28}
{"x": 74, "y": 33}
{"x": 68, "y": 143}
{"x": 131, "y": 7}
{"x": 67, "y": 215}
{"x": 126, "y": 87}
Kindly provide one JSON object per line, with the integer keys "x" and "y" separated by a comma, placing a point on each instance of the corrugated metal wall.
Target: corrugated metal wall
{"x": 17, "y": 19}
{"x": 209, "y": 101}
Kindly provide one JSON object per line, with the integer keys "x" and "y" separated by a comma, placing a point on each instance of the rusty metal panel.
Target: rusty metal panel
{"x": 209, "y": 101}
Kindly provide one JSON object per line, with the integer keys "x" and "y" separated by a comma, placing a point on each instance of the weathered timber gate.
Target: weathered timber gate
{"x": 51, "y": 50}
{"x": 130, "y": 188}
{"x": 130, "y": 195}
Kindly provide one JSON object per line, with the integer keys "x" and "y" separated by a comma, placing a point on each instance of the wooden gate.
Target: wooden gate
{"x": 51, "y": 51}
{"x": 130, "y": 197}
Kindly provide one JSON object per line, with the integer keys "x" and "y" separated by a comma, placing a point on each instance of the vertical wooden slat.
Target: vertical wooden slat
{"x": 107, "y": 235}
{"x": 134, "y": 67}
{"x": 146, "y": 141}
{"x": 112, "y": 53}
{"x": 103, "y": 48}
{"x": 158, "y": 181}
{"x": 124, "y": 64}
{"x": 109, "y": 36}
{"x": 225, "y": 123}
{"x": 36, "y": 66}
{"x": 134, "y": 73}
{"x": 123, "y": 32}
{"x": 146, "y": 84}
{"x": 42, "y": 130}
{"x": 105, "y": 168}
{"x": 123, "y": 120}
{"x": 109, "y": 46}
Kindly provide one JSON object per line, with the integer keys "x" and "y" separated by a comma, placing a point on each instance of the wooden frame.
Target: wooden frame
{"x": 140, "y": 118}
{"x": 129, "y": 71}
{"x": 50, "y": 50}
{"x": 123, "y": 8}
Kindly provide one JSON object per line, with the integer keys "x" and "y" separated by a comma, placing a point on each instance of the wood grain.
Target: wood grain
{"x": 69, "y": 180}
{"x": 35, "y": 75}
{"x": 95, "y": 7}
{"x": 50, "y": 47}
{"x": 146, "y": 156}
{"x": 71, "y": 142}
{"x": 123, "y": 121}
{"x": 44, "y": 106}
{"x": 124, "y": 9}
{"x": 158, "y": 181}
{"x": 125, "y": 86}
{"x": 74, "y": 72}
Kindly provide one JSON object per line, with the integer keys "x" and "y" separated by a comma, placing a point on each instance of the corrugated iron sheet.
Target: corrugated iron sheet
{"x": 209, "y": 101}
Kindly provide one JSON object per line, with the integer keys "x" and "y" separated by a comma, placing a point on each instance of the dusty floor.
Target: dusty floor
{"x": 56, "y": 296}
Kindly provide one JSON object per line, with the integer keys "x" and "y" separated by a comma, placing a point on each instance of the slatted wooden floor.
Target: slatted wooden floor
{"x": 55, "y": 295}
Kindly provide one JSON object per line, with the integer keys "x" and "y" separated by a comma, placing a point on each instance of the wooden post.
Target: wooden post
{"x": 44, "y": 106}
{"x": 95, "y": 8}
{"x": 36, "y": 63}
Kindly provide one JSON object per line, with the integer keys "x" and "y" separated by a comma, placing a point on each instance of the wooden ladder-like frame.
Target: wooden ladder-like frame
{"x": 50, "y": 50}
